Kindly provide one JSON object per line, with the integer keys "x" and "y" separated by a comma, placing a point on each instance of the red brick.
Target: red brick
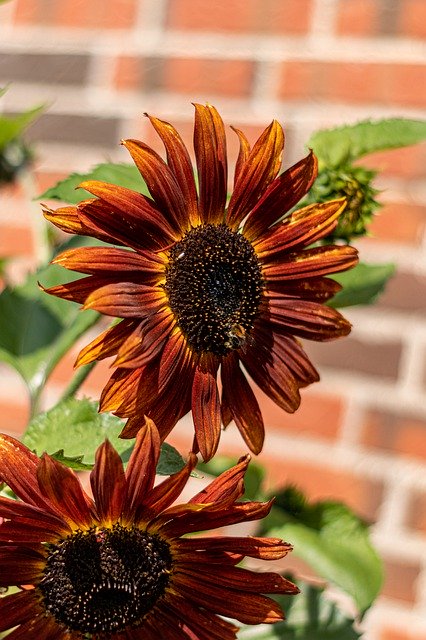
{"x": 128, "y": 74}
{"x": 205, "y": 78}
{"x": 318, "y": 416}
{"x": 388, "y": 633}
{"x": 400, "y": 580}
{"x": 416, "y": 511}
{"x": 402, "y": 434}
{"x": 268, "y": 16}
{"x": 406, "y": 292}
{"x": 15, "y": 241}
{"x": 320, "y": 482}
{"x": 13, "y": 416}
{"x": 399, "y": 222}
{"x": 407, "y": 162}
{"x": 359, "y": 83}
{"x": 413, "y": 18}
{"x": 119, "y": 14}
{"x": 357, "y": 17}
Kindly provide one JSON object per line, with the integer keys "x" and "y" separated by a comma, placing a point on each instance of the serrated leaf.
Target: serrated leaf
{"x": 339, "y": 145}
{"x": 333, "y": 541}
{"x": 309, "y": 616}
{"x": 362, "y": 284}
{"x": 125, "y": 175}
{"x": 12, "y": 127}
{"x": 73, "y": 429}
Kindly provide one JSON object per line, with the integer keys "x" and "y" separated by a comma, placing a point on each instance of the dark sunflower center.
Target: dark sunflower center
{"x": 103, "y": 581}
{"x": 214, "y": 286}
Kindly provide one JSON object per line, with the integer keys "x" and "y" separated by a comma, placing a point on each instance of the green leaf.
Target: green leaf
{"x": 73, "y": 429}
{"x": 36, "y": 329}
{"x": 309, "y": 616}
{"x": 336, "y": 146}
{"x": 12, "y": 127}
{"x": 362, "y": 284}
{"x": 332, "y": 540}
{"x": 125, "y": 175}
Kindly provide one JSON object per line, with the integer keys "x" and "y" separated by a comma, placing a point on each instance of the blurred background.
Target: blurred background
{"x": 360, "y": 434}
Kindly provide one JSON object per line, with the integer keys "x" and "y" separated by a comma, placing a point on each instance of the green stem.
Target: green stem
{"x": 77, "y": 380}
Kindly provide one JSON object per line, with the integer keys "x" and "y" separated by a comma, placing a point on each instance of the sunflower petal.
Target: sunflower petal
{"x": 248, "y": 608}
{"x": 63, "y": 489}
{"x": 140, "y": 471}
{"x": 312, "y": 263}
{"x": 180, "y": 163}
{"x": 226, "y": 488}
{"x": 262, "y": 548}
{"x": 242, "y": 403}
{"x": 106, "y": 344}
{"x": 241, "y": 579}
{"x": 281, "y": 195}
{"x": 17, "y": 608}
{"x": 140, "y": 232}
{"x": 307, "y": 319}
{"x": 206, "y": 409}
{"x": 146, "y": 342}
{"x": 124, "y": 299}
{"x": 18, "y": 469}
{"x": 206, "y": 625}
{"x": 243, "y": 154}
{"x": 210, "y": 153}
{"x": 20, "y": 565}
{"x": 167, "y": 491}
{"x": 103, "y": 260}
{"x": 108, "y": 483}
{"x": 162, "y": 183}
{"x": 259, "y": 170}
{"x": 302, "y": 228}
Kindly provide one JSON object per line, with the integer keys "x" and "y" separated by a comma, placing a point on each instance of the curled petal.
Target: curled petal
{"x": 262, "y": 548}
{"x": 167, "y": 491}
{"x": 107, "y": 343}
{"x": 307, "y": 319}
{"x": 124, "y": 299}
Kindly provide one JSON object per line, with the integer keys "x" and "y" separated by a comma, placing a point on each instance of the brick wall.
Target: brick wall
{"x": 360, "y": 434}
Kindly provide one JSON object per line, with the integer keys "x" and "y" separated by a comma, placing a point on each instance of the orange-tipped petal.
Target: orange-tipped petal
{"x": 312, "y": 263}
{"x": 167, "y": 491}
{"x": 103, "y": 260}
{"x": 226, "y": 488}
{"x": 307, "y": 319}
{"x": 124, "y": 299}
{"x": 107, "y": 343}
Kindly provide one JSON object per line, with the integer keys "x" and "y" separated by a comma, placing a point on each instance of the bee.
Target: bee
{"x": 237, "y": 337}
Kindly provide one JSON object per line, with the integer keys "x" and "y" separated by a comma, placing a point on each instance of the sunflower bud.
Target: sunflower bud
{"x": 354, "y": 184}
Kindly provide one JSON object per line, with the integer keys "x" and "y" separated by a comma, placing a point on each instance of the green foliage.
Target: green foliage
{"x": 12, "y": 127}
{"x": 73, "y": 429}
{"x": 362, "y": 284}
{"x": 340, "y": 145}
{"x": 332, "y": 540}
{"x": 36, "y": 329}
{"x": 309, "y": 616}
{"x": 124, "y": 175}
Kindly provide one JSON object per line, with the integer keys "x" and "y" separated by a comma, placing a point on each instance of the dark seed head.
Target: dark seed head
{"x": 214, "y": 286}
{"x": 105, "y": 580}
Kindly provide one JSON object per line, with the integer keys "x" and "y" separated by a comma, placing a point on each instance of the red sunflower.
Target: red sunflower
{"x": 203, "y": 285}
{"x": 120, "y": 566}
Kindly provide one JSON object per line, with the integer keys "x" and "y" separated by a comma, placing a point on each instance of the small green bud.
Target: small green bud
{"x": 13, "y": 158}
